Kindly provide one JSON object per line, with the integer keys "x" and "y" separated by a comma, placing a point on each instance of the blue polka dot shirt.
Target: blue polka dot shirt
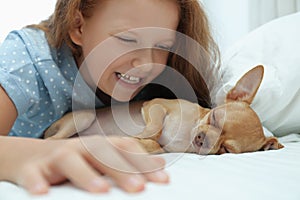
{"x": 40, "y": 81}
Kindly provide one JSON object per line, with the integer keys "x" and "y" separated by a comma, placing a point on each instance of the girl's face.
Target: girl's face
{"x": 122, "y": 53}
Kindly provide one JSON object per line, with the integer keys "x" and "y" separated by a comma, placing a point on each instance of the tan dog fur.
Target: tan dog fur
{"x": 180, "y": 126}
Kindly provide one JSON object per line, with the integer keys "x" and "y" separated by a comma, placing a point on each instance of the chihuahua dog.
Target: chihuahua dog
{"x": 176, "y": 125}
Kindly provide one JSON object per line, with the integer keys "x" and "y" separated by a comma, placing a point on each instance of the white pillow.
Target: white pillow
{"x": 276, "y": 45}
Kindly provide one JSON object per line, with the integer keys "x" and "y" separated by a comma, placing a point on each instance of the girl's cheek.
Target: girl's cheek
{"x": 161, "y": 56}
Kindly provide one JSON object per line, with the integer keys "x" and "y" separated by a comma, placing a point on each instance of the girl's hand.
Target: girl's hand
{"x": 37, "y": 164}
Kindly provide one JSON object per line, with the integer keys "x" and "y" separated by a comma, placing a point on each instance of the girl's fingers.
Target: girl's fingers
{"x": 112, "y": 163}
{"x": 126, "y": 162}
{"x": 76, "y": 169}
{"x": 151, "y": 166}
{"x": 130, "y": 182}
{"x": 33, "y": 180}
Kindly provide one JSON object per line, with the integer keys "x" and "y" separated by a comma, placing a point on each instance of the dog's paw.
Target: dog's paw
{"x": 70, "y": 124}
{"x": 151, "y": 146}
{"x": 52, "y": 130}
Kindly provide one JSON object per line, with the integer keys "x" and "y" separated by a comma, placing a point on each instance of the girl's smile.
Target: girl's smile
{"x": 128, "y": 78}
{"x": 128, "y": 82}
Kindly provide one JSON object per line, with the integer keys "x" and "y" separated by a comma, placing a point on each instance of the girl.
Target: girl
{"x": 39, "y": 68}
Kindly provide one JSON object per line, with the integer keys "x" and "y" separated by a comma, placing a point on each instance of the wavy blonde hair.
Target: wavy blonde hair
{"x": 193, "y": 22}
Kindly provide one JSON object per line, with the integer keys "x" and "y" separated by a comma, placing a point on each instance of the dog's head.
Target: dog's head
{"x": 234, "y": 127}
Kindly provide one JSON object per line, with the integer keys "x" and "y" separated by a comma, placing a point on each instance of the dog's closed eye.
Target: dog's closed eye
{"x": 212, "y": 119}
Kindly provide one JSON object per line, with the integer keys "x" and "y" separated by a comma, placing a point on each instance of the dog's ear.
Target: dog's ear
{"x": 246, "y": 88}
{"x": 271, "y": 143}
{"x": 153, "y": 114}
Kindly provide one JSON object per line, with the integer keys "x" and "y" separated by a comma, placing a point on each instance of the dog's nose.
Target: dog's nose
{"x": 199, "y": 139}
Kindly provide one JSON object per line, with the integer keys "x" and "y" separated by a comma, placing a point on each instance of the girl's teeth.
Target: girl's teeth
{"x": 128, "y": 79}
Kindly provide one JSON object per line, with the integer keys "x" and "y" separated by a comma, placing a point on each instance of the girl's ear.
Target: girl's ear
{"x": 246, "y": 88}
{"x": 75, "y": 31}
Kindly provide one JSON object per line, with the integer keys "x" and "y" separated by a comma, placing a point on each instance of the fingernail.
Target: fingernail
{"x": 161, "y": 176}
{"x": 38, "y": 189}
{"x": 135, "y": 184}
{"x": 98, "y": 185}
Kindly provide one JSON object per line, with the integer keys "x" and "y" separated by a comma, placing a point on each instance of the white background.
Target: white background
{"x": 230, "y": 19}
{"x": 15, "y": 14}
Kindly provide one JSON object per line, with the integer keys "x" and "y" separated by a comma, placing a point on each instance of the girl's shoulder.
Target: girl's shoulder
{"x": 31, "y": 40}
{"x": 28, "y": 36}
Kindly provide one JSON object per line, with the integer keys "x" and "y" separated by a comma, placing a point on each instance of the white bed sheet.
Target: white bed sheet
{"x": 259, "y": 175}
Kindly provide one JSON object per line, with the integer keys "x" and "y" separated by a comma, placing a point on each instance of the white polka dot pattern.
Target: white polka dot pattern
{"x": 38, "y": 79}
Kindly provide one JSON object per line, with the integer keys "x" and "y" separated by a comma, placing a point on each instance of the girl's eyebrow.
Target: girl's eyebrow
{"x": 126, "y": 29}
{"x": 122, "y": 29}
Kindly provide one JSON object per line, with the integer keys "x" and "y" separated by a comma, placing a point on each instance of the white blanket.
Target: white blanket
{"x": 261, "y": 176}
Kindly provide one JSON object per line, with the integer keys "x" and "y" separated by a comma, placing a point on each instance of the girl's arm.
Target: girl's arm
{"x": 8, "y": 113}
{"x": 36, "y": 164}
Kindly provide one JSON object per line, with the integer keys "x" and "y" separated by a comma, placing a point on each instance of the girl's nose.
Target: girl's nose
{"x": 143, "y": 58}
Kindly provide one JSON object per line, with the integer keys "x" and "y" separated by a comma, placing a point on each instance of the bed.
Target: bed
{"x": 261, "y": 175}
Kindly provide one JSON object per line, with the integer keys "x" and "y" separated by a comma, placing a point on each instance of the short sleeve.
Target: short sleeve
{"x": 18, "y": 75}
{"x": 40, "y": 81}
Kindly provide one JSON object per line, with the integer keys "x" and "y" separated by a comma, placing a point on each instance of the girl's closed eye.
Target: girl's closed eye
{"x": 125, "y": 39}
{"x": 164, "y": 47}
